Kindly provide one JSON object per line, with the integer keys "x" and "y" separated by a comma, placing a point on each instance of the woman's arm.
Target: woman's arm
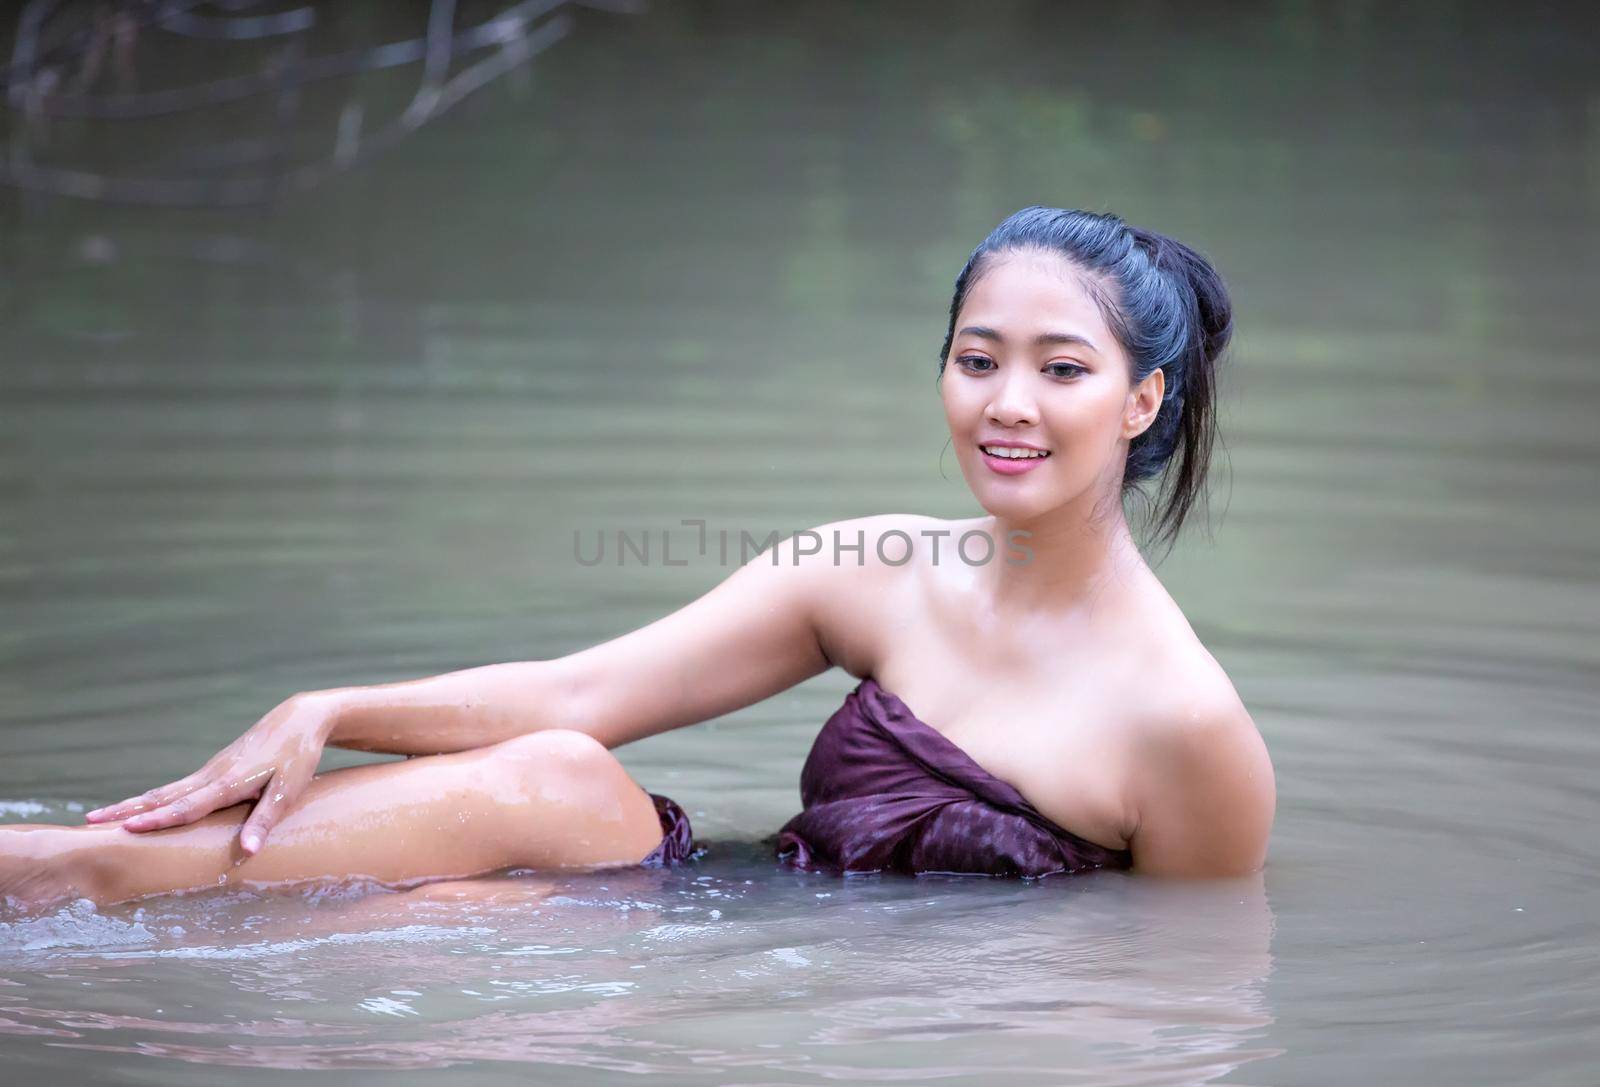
{"x": 453, "y": 711}
{"x": 753, "y": 635}
{"x": 1206, "y": 794}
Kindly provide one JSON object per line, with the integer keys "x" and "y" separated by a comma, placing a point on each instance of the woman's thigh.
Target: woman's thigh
{"x": 550, "y": 799}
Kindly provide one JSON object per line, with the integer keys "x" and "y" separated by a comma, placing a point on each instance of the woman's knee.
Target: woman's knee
{"x": 574, "y": 801}
{"x": 565, "y": 762}
{"x": 557, "y": 749}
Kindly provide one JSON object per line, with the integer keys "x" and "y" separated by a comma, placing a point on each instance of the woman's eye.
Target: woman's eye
{"x": 1063, "y": 369}
{"x": 974, "y": 362}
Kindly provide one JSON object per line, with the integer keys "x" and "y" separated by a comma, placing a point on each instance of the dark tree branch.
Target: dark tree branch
{"x": 516, "y": 49}
{"x": 240, "y": 28}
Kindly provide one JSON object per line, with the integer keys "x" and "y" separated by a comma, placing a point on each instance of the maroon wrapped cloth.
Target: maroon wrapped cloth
{"x": 677, "y": 838}
{"x": 884, "y": 791}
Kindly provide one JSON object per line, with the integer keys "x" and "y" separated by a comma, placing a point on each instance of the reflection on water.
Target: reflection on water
{"x": 348, "y": 437}
{"x": 726, "y": 969}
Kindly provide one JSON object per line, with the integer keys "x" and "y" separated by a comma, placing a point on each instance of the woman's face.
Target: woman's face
{"x": 1034, "y": 368}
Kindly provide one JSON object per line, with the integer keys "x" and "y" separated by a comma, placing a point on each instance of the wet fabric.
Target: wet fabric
{"x": 883, "y": 791}
{"x": 677, "y": 837}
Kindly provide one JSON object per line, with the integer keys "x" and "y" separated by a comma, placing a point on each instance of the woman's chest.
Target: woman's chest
{"x": 1054, "y": 744}
{"x": 1046, "y": 710}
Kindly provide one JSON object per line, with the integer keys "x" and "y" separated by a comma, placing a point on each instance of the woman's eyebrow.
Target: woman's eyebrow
{"x": 1042, "y": 340}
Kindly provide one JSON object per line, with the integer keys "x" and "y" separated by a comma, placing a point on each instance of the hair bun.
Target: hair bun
{"x": 1213, "y": 306}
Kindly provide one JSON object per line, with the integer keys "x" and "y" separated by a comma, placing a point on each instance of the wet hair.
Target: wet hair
{"x": 1170, "y": 311}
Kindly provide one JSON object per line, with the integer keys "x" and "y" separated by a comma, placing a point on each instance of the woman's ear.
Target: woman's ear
{"x": 1144, "y": 401}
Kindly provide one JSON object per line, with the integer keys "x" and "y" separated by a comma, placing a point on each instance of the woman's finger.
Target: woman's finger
{"x": 148, "y": 801}
{"x": 276, "y": 799}
{"x": 186, "y": 809}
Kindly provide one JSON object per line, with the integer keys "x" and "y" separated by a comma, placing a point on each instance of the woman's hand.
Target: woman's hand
{"x": 274, "y": 760}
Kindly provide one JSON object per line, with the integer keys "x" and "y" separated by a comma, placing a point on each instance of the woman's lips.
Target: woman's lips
{"x": 1011, "y": 466}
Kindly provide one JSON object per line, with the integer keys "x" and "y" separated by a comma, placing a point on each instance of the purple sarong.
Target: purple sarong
{"x": 883, "y": 791}
{"x": 677, "y": 837}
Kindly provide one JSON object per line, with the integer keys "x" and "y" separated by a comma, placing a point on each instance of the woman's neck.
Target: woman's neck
{"x": 1076, "y": 555}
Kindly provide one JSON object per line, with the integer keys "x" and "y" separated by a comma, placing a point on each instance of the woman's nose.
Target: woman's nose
{"x": 1013, "y": 403}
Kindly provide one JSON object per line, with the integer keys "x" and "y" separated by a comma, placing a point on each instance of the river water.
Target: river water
{"x": 692, "y": 263}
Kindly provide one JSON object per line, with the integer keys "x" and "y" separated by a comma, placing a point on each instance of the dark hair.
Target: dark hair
{"x": 1170, "y": 311}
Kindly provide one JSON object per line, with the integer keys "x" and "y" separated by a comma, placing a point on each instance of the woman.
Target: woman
{"x": 1066, "y": 716}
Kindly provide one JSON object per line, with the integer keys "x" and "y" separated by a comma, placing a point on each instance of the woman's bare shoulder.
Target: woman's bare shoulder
{"x": 1195, "y": 706}
{"x": 1193, "y": 685}
{"x": 1159, "y": 642}
{"x": 867, "y": 578}
{"x": 1205, "y": 792}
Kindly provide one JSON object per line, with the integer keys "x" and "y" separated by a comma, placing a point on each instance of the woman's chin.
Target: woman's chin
{"x": 1012, "y": 498}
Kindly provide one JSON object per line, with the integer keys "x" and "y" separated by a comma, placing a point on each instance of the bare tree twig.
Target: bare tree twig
{"x": 515, "y": 50}
{"x": 239, "y": 28}
{"x": 436, "y": 60}
{"x": 23, "y": 68}
{"x": 389, "y": 55}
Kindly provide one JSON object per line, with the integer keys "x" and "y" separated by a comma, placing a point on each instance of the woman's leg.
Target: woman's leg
{"x": 550, "y": 799}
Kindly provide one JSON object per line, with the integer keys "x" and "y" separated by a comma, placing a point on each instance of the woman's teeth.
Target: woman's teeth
{"x": 1013, "y": 454}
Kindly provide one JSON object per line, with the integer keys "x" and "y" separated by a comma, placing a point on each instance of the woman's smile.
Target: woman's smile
{"x": 1008, "y": 458}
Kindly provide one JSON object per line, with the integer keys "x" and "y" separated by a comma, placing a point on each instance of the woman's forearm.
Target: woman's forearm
{"x": 455, "y": 711}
